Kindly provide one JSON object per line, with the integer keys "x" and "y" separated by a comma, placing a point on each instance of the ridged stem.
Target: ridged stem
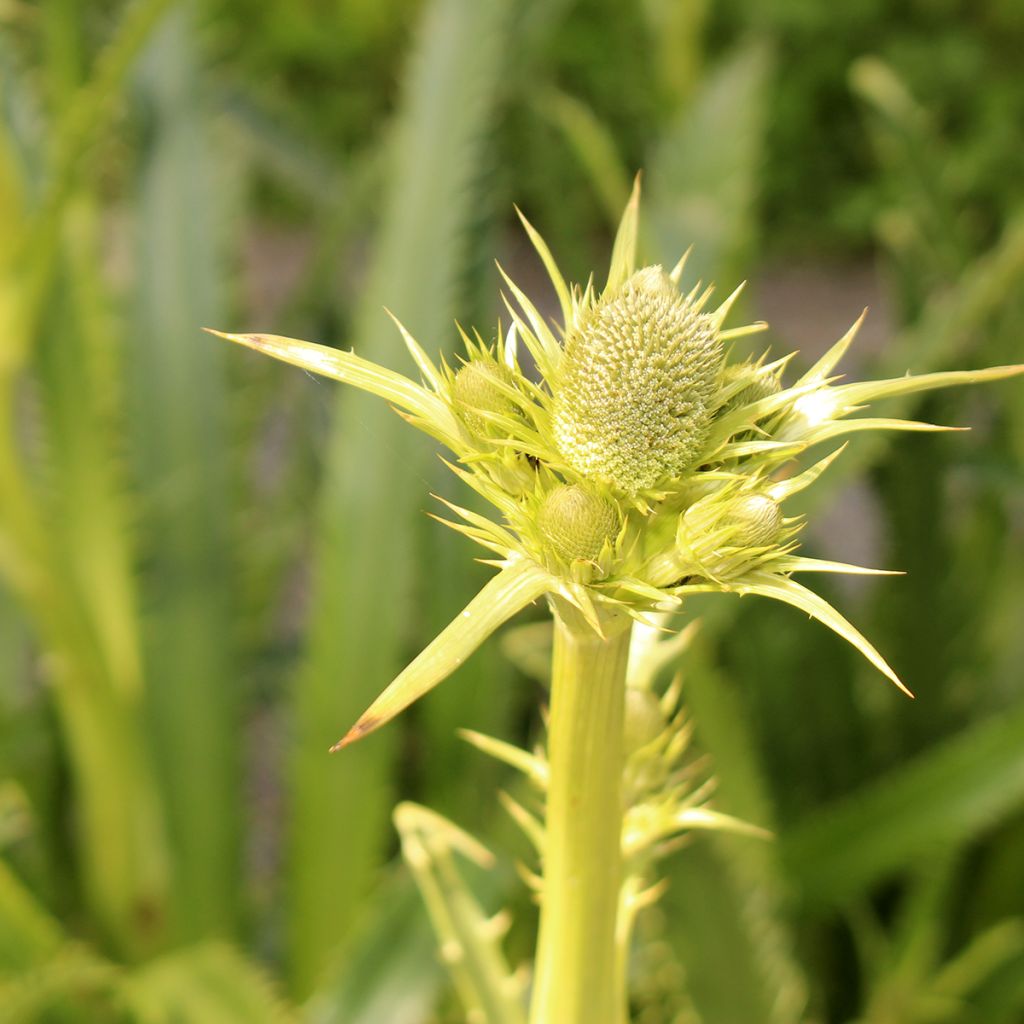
{"x": 576, "y": 981}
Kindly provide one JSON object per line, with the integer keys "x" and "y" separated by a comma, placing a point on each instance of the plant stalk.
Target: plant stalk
{"x": 576, "y": 980}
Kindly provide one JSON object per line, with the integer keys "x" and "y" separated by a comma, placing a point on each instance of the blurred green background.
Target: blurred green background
{"x": 210, "y": 564}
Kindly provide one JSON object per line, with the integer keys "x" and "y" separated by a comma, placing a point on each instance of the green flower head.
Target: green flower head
{"x": 635, "y": 464}
{"x": 635, "y": 387}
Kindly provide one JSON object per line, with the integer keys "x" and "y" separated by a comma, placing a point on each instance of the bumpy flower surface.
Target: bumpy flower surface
{"x": 635, "y": 385}
{"x": 576, "y": 523}
{"x": 477, "y": 389}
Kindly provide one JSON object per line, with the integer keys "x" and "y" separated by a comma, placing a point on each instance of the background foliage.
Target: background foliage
{"x": 211, "y": 565}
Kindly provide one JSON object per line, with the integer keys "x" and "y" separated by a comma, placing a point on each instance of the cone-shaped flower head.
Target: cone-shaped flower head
{"x": 636, "y": 383}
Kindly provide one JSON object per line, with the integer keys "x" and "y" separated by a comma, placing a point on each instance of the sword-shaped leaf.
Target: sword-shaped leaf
{"x": 871, "y": 390}
{"x": 516, "y": 586}
{"x": 790, "y": 592}
{"x": 349, "y": 368}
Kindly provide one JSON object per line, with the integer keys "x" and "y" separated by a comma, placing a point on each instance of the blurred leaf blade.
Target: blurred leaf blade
{"x": 207, "y": 982}
{"x": 702, "y": 186}
{"x": 363, "y": 556}
{"x": 389, "y": 971}
{"x": 948, "y": 795}
{"x": 181, "y": 454}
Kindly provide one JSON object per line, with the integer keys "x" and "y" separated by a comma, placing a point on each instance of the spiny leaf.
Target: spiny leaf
{"x": 531, "y": 766}
{"x": 871, "y": 390}
{"x": 640, "y": 832}
{"x": 511, "y": 590}
{"x": 790, "y": 592}
{"x": 349, "y": 368}
{"x": 823, "y": 368}
{"x": 470, "y": 941}
{"x": 561, "y": 288}
{"x": 799, "y": 563}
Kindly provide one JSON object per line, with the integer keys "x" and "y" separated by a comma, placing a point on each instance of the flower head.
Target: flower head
{"x": 644, "y": 464}
{"x": 636, "y": 384}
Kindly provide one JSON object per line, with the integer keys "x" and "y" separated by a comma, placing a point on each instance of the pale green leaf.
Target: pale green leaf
{"x": 822, "y": 369}
{"x": 557, "y": 281}
{"x": 790, "y": 592}
{"x": 872, "y": 390}
{"x": 838, "y": 428}
{"x": 349, "y": 368}
{"x": 531, "y": 766}
{"x": 640, "y": 833}
{"x": 510, "y": 591}
{"x": 800, "y": 563}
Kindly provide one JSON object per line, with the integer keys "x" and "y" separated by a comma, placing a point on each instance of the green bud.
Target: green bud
{"x": 759, "y": 385}
{"x": 637, "y": 379}
{"x": 759, "y": 519}
{"x": 478, "y": 388}
{"x": 576, "y": 523}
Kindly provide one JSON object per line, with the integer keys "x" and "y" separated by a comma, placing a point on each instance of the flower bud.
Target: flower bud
{"x": 478, "y": 388}
{"x": 759, "y": 384}
{"x": 759, "y": 519}
{"x": 638, "y": 375}
{"x": 576, "y": 523}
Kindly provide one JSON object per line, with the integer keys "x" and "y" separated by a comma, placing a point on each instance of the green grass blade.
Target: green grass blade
{"x": 364, "y": 562}
{"x": 182, "y": 464}
{"x": 28, "y": 933}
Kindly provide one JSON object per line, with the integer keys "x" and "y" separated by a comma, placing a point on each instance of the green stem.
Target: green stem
{"x": 576, "y": 977}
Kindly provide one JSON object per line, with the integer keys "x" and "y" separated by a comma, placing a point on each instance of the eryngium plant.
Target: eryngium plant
{"x": 631, "y": 460}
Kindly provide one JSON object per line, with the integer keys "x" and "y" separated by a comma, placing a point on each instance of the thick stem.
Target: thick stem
{"x": 575, "y": 973}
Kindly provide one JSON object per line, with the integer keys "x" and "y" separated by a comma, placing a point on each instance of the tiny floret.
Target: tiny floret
{"x": 576, "y": 523}
{"x": 636, "y": 383}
